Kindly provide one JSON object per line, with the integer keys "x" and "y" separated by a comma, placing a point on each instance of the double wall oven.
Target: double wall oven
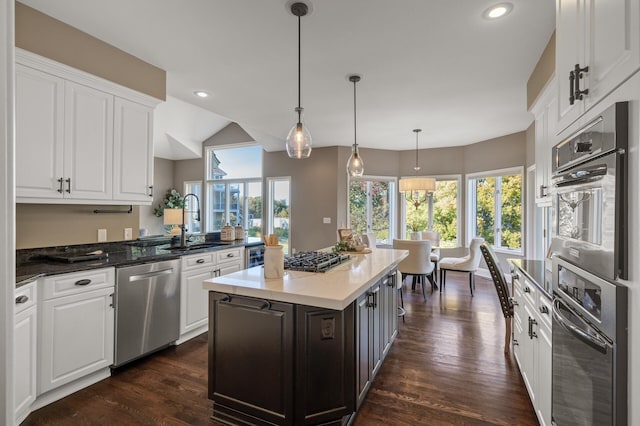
{"x": 589, "y": 351}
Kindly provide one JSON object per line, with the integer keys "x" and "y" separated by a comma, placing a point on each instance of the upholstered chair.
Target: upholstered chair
{"x": 506, "y": 303}
{"x": 369, "y": 239}
{"x": 468, "y": 264}
{"x": 434, "y": 237}
{"x": 417, "y": 263}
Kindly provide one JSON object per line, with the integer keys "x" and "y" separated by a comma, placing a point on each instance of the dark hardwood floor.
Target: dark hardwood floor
{"x": 446, "y": 367}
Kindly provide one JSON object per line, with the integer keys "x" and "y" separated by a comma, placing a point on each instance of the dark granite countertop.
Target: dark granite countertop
{"x": 536, "y": 272}
{"x": 32, "y": 264}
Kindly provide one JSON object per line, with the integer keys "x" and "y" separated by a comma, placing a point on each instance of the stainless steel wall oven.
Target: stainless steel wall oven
{"x": 590, "y": 195}
{"x": 589, "y": 350}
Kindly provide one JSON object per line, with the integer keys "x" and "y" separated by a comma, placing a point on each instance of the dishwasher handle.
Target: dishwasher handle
{"x": 152, "y": 274}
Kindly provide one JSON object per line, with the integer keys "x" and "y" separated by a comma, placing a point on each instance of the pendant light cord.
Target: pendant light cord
{"x": 416, "y": 168}
{"x": 355, "y": 134}
{"x": 299, "y": 69}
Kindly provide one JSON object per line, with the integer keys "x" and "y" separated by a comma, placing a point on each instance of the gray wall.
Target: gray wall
{"x": 162, "y": 181}
{"x": 319, "y": 183}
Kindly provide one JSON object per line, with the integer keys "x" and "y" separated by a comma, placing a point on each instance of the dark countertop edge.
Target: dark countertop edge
{"x": 33, "y": 270}
{"x": 517, "y": 263}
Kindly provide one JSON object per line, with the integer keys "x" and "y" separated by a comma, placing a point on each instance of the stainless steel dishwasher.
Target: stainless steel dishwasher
{"x": 147, "y": 299}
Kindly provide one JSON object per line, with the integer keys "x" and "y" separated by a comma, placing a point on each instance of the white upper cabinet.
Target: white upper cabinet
{"x": 133, "y": 151}
{"x": 598, "y": 43}
{"x": 544, "y": 110}
{"x": 88, "y": 153}
{"x": 79, "y": 138}
{"x": 39, "y": 151}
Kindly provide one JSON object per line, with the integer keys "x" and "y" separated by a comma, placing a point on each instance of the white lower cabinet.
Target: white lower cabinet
{"x": 76, "y": 328}
{"x": 194, "y": 302}
{"x": 24, "y": 350}
{"x": 532, "y": 343}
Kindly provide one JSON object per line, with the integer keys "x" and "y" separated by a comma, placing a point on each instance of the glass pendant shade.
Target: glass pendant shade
{"x": 298, "y": 141}
{"x": 355, "y": 165}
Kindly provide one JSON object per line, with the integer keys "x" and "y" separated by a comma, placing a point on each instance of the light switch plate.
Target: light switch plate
{"x": 102, "y": 235}
{"x": 326, "y": 220}
{"x": 128, "y": 233}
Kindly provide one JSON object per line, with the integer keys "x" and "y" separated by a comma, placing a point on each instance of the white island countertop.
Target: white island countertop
{"x": 334, "y": 289}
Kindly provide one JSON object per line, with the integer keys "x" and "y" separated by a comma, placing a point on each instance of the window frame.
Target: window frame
{"x": 393, "y": 232}
{"x": 271, "y": 180}
{"x": 458, "y": 179}
{"x": 471, "y": 228}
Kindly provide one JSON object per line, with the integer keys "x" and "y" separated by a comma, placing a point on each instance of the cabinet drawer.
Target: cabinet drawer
{"x": 229, "y": 255}
{"x": 544, "y": 311}
{"x": 77, "y": 282}
{"x": 530, "y": 292}
{"x": 195, "y": 261}
{"x": 25, "y": 297}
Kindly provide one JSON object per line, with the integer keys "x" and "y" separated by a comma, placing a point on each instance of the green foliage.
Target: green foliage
{"x": 369, "y": 197}
{"x": 172, "y": 200}
{"x": 511, "y": 210}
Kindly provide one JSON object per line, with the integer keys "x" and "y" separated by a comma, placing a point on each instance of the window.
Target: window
{"x": 191, "y": 206}
{"x": 495, "y": 208}
{"x": 279, "y": 212}
{"x": 234, "y": 188}
{"x": 444, "y": 205}
{"x": 372, "y": 207}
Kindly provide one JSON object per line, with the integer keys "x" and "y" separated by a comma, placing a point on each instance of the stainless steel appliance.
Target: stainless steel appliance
{"x": 147, "y": 300}
{"x": 590, "y": 195}
{"x": 254, "y": 256}
{"x": 589, "y": 350}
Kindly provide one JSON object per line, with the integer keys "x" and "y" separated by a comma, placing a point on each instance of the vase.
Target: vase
{"x": 417, "y": 235}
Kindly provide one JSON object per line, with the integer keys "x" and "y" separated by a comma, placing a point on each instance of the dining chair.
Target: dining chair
{"x": 417, "y": 263}
{"x": 369, "y": 239}
{"x": 434, "y": 237}
{"x": 506, "y": 303}
{"x": 468, "y": 264}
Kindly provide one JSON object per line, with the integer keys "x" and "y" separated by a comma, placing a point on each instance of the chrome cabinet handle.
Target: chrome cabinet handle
{"x": 230, "y": 255}
{"x": 543, "y": 189}
{"x": 527, "y": 289}
{"x": 544, "y": 310}
{"x": 533, "y": 333}
{"x": 515, "y": 343}
{"x": 227, "y": 300}
{"x": 151, "y": 191}
{"x": 83, "y": 282}
{"x": 61, "y": 182}
{"x": 68, "y": 185}
{"x": 514, "y": 302}
{"x": 200, "y": 261}
{"x": 22, "y": 299}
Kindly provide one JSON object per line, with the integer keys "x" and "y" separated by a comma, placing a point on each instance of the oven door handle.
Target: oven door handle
{"x": 593, "y": 340}
{"x": 577, "y": 177}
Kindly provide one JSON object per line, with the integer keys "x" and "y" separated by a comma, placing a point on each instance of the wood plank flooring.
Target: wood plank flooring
{"x": 446, "y": 367}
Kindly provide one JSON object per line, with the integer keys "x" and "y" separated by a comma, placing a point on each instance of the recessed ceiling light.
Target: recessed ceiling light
{"x": 498, "y": 10}
{"x": 201, "y": 94}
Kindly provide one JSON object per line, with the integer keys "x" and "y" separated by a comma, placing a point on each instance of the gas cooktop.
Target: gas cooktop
{"x": 314, "y": 261}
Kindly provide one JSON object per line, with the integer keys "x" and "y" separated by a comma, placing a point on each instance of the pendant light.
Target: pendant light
{"x": 355, "y": 165}
{"x": 415, "y": 186}
{"x": 298, "y": 141}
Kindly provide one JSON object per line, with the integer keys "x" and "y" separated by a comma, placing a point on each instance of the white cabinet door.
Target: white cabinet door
{"x": 545, "y": 127}
{"x": 543, "y": 373}
{"x": 133, "y": 152}
{"x": 88, "y": 153}
{"x": 24, "y": 360}
{"x": 613, "y": 45}
{"x": 39, "y": 133}
{"x": 228, "y": 268}
{"x": 601, "y": 35}
{"x": 570, "y": 33}
{"x": 194, "y": 300}
{"x": 76, "y": 337}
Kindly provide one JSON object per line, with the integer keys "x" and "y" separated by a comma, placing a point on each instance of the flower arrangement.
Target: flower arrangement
{"x": 172, "y": 200}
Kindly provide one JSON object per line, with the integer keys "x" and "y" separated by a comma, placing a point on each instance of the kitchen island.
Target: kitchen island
{"x": 302, "y": 349}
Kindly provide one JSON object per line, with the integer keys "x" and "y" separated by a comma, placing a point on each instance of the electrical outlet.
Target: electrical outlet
{"x": 102, "y": 235}
{"x": 128, "y": 233}
{"x": 326, "y": 220}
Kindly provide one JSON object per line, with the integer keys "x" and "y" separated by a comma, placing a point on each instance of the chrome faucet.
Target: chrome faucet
{"x": 183, "y": 234}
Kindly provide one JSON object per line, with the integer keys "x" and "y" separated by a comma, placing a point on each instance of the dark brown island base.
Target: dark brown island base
{"x": 302, "y": 349}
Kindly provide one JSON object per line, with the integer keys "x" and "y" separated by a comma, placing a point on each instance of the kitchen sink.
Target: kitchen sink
{"x": 198, "y": 246}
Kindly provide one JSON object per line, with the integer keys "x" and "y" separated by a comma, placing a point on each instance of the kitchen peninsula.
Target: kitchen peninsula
{"x": 302, "y": 349}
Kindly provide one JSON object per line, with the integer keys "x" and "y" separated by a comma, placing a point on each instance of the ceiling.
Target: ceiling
{"x": 437, "y": 65}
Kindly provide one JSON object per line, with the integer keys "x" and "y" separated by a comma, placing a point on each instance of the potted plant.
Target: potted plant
{"x": 415, "y": 227}
{"x": 172, "y": 200}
